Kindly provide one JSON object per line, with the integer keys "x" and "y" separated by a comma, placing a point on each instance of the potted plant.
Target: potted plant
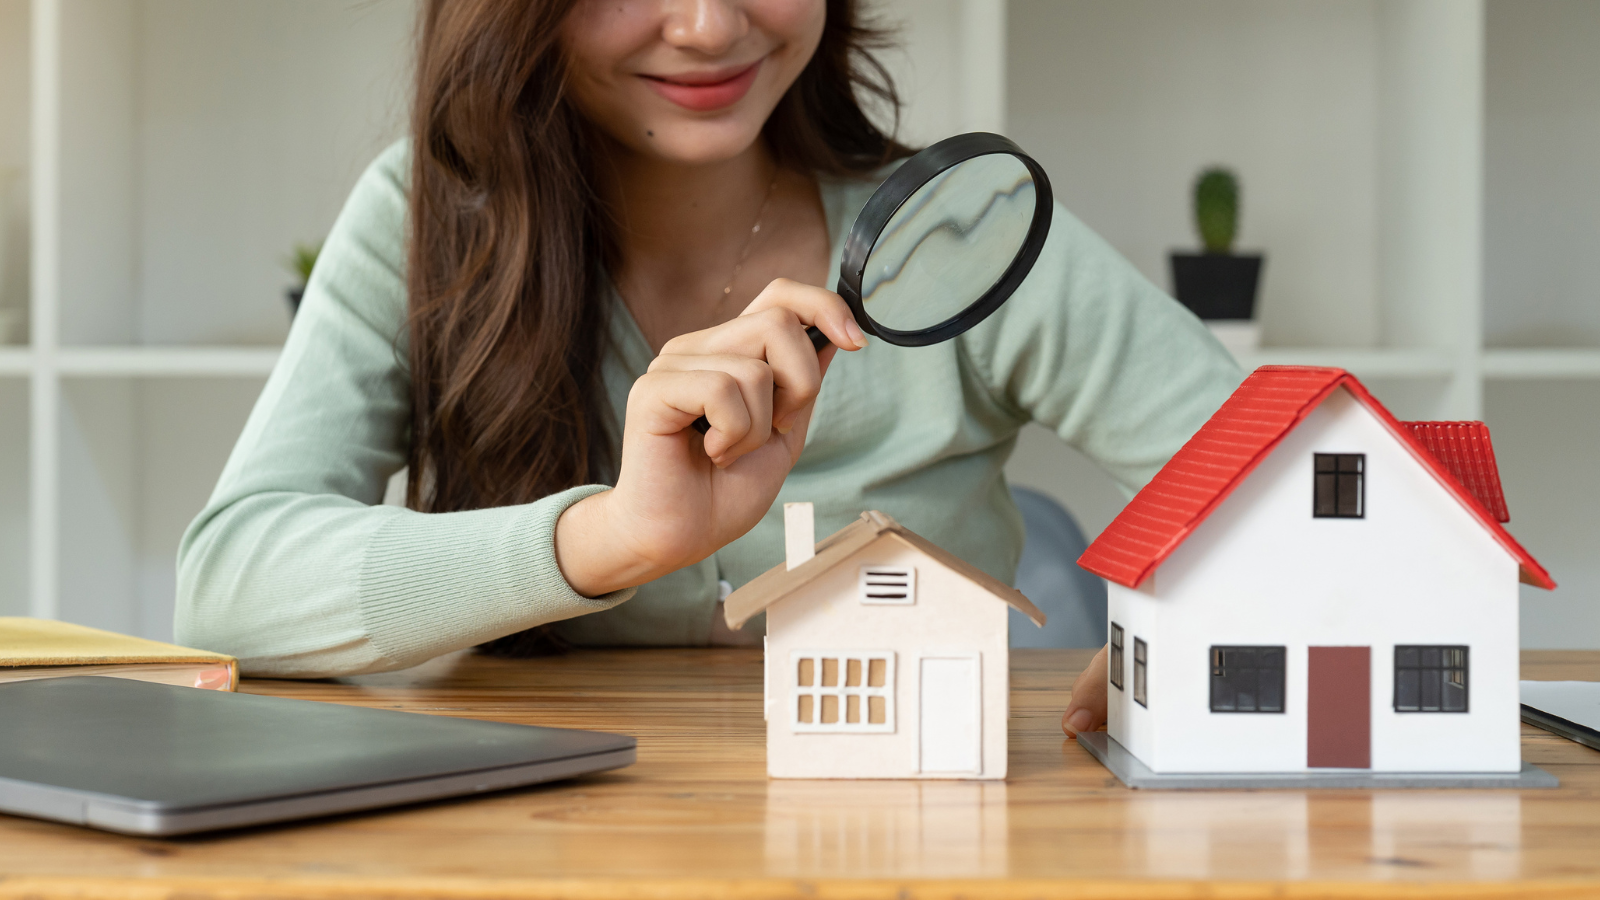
{"x": 300, "y": 262}
{"x": 1217, "y": 284}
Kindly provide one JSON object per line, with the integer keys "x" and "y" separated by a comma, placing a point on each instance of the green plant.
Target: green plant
{"x": 302, "y": 260}
{"x": 1216, "y": 209}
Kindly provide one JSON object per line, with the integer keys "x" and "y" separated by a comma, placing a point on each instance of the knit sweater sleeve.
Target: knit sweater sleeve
{"x": 1090, "y": 348}
{"x": 292, "y": 566}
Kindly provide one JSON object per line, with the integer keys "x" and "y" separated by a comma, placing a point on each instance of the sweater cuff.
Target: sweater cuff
{"x": 436, "y": 582}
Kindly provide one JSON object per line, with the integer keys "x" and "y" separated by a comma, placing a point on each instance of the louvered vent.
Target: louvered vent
{"x": 888, "y": 584}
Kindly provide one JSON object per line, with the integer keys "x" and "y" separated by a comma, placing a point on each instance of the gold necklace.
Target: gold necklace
{"x": 750, "y": 239}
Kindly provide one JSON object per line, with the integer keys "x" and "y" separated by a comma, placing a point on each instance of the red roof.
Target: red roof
{"x": 1464, "y": 448}
{"x": 1265, "y": 408}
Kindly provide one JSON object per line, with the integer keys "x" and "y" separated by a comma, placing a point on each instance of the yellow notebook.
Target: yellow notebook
{"x": 40, "y": 648}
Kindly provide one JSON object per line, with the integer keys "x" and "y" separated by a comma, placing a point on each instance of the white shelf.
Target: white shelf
{"x": 168, "y": 362}
{"x": 1541, "y": 363}
{"x": 1367, "y": 362}
{"x": 15, "y": 361}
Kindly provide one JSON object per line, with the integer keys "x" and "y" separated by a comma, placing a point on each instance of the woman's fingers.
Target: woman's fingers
{"x": 775, "y": 336}
{"x": 734, "y": 393}
{"x": 1086, "y": 711}
{"x": 796, "y": 370}
{"x": 772, "y": 330}
{"x": 813, "y": 306}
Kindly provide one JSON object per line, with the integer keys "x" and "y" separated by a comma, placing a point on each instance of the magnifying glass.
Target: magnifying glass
{"x": 943, "y": 242}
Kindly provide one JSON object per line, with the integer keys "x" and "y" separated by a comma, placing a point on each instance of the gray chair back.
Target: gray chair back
{"x": 1073, "y": 600}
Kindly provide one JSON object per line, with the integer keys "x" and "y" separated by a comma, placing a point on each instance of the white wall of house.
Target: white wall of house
{"x": 951, "y": 615}
{"x": 1418, "y": 569}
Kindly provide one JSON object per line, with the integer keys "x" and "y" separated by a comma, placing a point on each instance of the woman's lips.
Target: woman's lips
{"x": 703, "y": 93}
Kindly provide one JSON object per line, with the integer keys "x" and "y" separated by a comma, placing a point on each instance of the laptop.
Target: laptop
{"x": 155, "y": 759}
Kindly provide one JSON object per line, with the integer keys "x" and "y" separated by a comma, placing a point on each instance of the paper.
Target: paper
{"x": 1576, "y": 701}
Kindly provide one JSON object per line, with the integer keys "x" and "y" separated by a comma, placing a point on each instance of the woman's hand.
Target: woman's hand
{"x": 681, "y": 497}
{"x": 1086, "y": 711}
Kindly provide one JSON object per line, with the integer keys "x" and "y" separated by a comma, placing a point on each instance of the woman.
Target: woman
{"x": 611, "y": 218}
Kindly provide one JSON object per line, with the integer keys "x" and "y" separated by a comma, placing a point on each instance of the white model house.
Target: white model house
{"x": 886, "y": 657}
{"x": 1310, "y": 584}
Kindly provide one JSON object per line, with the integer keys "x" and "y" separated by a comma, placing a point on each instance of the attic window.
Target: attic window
{"x": 889, "y": 585}
{"x": 1340, "y": 491}
{"x": 843, "y": 691}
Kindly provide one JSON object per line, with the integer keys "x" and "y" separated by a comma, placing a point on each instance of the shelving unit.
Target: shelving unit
{"x": 15, "y": 361}
{"x": 158, "y": 362}
{"x": 177, "y": 150}
{"x": 1396, "y": 157}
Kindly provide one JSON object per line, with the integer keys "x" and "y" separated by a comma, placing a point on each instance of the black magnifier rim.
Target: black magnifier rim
{"x": 893, "y": 194}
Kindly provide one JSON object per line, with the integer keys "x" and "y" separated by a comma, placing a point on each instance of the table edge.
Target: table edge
{"x": 765, "y": 888}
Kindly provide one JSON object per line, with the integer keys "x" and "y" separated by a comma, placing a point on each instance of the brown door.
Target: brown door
{"x": 1339, "y": 708}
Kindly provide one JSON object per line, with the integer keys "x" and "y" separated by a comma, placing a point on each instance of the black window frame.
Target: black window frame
{"x": 1438, "y": 661}
{"x": 1115, "y": 660}
{"x": 1255, "y": 671}
{"x": 1339, "y": 486}
{"x": 1141, "y": 672}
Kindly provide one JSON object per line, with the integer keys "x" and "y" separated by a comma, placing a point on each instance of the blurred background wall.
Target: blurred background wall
{"x": 1422, "y": 175}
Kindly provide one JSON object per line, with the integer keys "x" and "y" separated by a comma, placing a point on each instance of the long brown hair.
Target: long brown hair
{"x": 507, "y": 320}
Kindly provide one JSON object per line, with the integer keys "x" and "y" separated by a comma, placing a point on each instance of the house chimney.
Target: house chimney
{"x": 799, "y": 533}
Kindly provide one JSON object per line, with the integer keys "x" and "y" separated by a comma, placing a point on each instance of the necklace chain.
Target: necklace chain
{"x": 750, "y": 239}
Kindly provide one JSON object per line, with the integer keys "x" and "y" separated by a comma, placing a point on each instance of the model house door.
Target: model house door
{"x": 951, "y": 731}
{"x": 1339, "y": 708}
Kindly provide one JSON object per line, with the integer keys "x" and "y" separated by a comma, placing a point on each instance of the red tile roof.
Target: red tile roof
{"x": 1265, "y": 408}
{"x": 1464, "y": 448}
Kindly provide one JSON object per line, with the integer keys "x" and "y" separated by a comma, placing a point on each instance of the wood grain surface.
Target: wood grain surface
{"x": 697, "y": 816}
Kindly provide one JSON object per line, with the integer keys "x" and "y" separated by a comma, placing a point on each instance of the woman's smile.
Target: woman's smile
{"x": 706, "y": 91}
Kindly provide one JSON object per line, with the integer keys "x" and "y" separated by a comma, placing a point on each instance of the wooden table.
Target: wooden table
{"x": 697, "y": 817}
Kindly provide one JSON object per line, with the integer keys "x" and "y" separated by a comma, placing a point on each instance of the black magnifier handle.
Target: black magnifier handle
{"x": 818, "y": 340}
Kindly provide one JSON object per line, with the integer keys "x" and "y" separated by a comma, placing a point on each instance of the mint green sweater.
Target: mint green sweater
{"x": 294, "y": 567}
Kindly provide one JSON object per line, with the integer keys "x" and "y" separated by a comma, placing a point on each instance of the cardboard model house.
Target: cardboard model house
{"x": 886, "y": 657}
{"x": 1310, "y": 584}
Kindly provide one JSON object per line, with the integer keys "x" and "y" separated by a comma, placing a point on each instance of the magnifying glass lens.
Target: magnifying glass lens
{"x": 949, "y": 243}
{"x": 942, "y": 242}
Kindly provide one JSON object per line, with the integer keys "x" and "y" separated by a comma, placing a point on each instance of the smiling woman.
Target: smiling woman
{"x": 730, "y": 64}
{"x": 610, "y": 220}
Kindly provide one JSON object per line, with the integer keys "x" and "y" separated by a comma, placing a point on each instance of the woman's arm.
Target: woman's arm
{"x": 1091, "y": 349}
{"x": 290, "y": 566}
{"x": 679, "y": 497}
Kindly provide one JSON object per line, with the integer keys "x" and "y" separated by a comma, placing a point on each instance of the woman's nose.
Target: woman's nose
{"x": 708, "y": 26}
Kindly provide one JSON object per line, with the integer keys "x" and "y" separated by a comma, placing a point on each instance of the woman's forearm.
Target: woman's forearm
{"x": 300, "y": 585}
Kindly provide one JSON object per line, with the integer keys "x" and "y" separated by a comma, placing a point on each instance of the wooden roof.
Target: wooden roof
{"x": 780, "y": 581}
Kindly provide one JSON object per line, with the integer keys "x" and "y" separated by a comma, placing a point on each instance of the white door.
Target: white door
{"x": 951, "y": 738}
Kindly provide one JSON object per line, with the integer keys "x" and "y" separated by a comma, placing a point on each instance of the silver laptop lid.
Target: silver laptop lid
{"x": 165, "y": 750}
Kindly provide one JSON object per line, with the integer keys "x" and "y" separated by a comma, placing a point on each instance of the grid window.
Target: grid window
{"x": 1115, "y": 676}
{"x": 843, "y": 690}
{"x": 1141, "y": 655}
{"x": 1340, "y": 488}
{"x": 1247, "y": 679}
{"x": 1430, "y": 679}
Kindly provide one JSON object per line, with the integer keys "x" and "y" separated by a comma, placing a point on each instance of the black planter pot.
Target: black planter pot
{"x": 293, "y": 295}
{"x": 1217, "y": 285}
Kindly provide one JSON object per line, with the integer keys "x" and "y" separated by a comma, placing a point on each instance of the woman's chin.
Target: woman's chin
{"x": 701, "y": 141}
